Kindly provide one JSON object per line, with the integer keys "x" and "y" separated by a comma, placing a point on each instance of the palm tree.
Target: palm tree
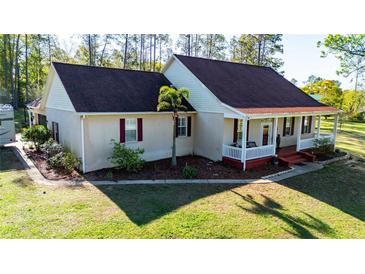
{"x": 172, "y": 99}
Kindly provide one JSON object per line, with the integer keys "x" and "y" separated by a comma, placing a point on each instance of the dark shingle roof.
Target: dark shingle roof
{"x": 247, "y": 86}
{"x": 99, "y": 89}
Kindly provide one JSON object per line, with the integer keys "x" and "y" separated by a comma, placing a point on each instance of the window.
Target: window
{"x": 55, "y": 132}
{"x": 182, "y": 127}
{"x": 306, "y": 124}
{"x": 130, "y": 130}
{"x": 239, "y": 131}
{"x": 288, "y": 126}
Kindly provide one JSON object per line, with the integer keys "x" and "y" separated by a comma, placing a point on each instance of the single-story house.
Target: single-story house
{"x": 236, "y": 112}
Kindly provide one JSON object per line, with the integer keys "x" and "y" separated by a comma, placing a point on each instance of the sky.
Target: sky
{"x": 301, "y": 56}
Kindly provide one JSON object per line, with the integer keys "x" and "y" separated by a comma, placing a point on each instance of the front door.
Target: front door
{"x": 266, "y": 134}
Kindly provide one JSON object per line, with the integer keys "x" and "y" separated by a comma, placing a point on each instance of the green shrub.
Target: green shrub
{"x": 37, "y": 134}
{"x": 65, "y": 161}
{"x": 127, "y": 158}
{"x": 52, "y": 148}
{"x": 189, "y": 172}
{"x": 322, "y": 146}
{"x": 357, "y": 117}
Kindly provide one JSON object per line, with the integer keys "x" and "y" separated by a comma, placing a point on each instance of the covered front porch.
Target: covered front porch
{"x": 255, "y": 140}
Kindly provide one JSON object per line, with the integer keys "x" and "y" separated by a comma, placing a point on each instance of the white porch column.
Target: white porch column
{"x": 318, "y": 127}
{"x": 244, "y": 142}
{"x": 335, "y": 131}
{"x": 83, "y": 144}
{"x": 299, "y": 131}
{"x": 275, "y": 132}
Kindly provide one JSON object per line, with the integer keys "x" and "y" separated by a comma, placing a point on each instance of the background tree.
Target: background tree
{"x": 329, "y": 90}
{"x": 172, "y": 99}
{"x": 257, "y": 49}
{"x": 350, "y": 51}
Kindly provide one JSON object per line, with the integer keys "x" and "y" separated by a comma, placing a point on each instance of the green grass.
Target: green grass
{"x": 350, "y": 136}
{"x": 19, "y": 119}
{"x": 326, "y": 204}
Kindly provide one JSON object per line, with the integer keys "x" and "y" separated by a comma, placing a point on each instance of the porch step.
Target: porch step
{"x": 292, "y": 159}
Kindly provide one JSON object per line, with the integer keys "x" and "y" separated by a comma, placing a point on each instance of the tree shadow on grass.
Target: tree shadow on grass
{"x": 145, "y": 203}
{"x": 300, "y": 226}
{"x": 341, "y": 185}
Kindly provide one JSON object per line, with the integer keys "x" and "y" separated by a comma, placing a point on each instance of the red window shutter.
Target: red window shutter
{"x": 292, "y": 125}
{"x": 310, "y": 124}
{"x": 235, "y": 128}
{"x": 284, "y": 127}
{"x": 189, "y": 125}
{"x": 122, "y": 130}
{"x": 140, "y": 129}
{"x": 303, "y": 118}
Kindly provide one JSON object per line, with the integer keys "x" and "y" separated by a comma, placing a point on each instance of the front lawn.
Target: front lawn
{"x": 325, "y": 204}
{"x": 350, "y": 135}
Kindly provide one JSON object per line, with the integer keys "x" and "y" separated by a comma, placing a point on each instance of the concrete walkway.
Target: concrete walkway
{"x": 38, "y": 178}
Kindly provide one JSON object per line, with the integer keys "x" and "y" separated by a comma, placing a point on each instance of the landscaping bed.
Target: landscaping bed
{"x": 329, "y": 156}
{"x": 40, "y": 161}
{"x": 206, "y": 169}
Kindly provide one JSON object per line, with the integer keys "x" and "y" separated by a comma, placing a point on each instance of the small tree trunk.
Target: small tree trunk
{"x": 26, "y": 70}
{"x": 125, "y": 51}
{"x": 89, "y": 45}
{"x": 173, "y": 158}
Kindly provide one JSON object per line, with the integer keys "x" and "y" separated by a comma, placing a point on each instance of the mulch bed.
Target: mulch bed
{"x": 329, "y": 156}
{"x": 161, "y": 169}
{"x": 40, "y": 161}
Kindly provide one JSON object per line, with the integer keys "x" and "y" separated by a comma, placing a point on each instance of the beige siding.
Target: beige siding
{"x": 58, "y": 97}
{"x": 292, "y": 139}
{"x": 69, "y": 127}
{"x": 157, "y": 138}
{"x": 209, "y": 135}
{"x": 255, "y": 132}
{"x": 228, "y": 131}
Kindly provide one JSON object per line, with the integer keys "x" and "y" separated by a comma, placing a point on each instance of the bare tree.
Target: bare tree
{"x": 125, "y": 51}
{"x": 5, "y": 60}
{"x": 154, "y": 52}
{"x": 26, "y": 70}
{"x": 89, "y": 45}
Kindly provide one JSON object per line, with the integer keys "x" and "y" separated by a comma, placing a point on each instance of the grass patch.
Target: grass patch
{"x": 325, "y": 204}
{"x": 350, "y": 136}
{"x": 19, "y": 119}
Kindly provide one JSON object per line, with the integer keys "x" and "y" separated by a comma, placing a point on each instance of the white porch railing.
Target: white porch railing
{"x": 251, "y": 153}
{"x": 260, "y": 152}
{"x": 309, "y": 143}
{"x": 232, "y": 152}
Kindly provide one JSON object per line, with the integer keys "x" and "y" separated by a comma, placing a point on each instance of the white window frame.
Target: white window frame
{"x": 125, "y": 130}
{"x": 306, "y": 126}
{"x": 288, "y": 120}
{"x": 182, "y": 126}
{"x": 239, "y": 131}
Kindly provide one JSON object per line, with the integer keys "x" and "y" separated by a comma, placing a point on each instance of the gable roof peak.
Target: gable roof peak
{"x": 100, "y": 67}
{"x": 223, "y": 61}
